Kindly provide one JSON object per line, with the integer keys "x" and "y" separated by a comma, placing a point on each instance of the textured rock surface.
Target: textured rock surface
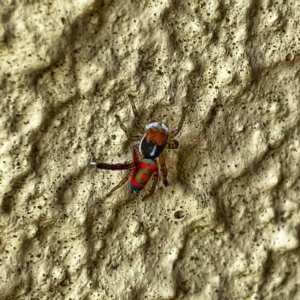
{"x": 227, "y": 227}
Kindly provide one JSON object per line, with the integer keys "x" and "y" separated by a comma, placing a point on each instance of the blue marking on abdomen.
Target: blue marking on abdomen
{"x": 135, "y": 188}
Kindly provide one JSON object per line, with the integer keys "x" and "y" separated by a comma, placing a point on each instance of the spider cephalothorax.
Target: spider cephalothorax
{"x": 153, "y": 141}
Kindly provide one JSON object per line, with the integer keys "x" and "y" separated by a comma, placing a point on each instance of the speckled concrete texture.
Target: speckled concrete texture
{"x": 227, "y": 226}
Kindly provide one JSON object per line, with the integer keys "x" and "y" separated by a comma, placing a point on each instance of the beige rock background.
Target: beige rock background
{"x": 227, "y": 227}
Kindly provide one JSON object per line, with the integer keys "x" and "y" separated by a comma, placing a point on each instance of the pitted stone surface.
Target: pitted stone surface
{"x": 227, "y": 226}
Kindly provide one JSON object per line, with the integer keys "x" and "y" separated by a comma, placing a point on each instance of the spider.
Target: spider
{"x": 153, "y": 141}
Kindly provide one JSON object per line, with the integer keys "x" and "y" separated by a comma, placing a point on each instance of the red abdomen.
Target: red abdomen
{"x": 142, "y": 173}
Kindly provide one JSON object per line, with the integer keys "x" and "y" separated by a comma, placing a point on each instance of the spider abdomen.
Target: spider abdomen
{"x": 142, "y": 173}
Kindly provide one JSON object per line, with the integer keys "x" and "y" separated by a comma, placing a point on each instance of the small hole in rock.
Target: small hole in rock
{"x": 289, "y": 57}
{"x": 179, "y": 214}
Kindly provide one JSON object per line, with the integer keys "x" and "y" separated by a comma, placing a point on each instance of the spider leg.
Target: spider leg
{"x": 113, "y": 167}
{"x": 124, "y": 128}
{"x": 176, "y": 131}
{"x": 163, "y": 169}
{"x": 155, "y": 178}
{"x": 125, "y": 179}
{"x": 125, "y": 166}
{"x": 134, "y": 155}
{"x": 136, "y": 116}
{"x": 172, "y": 144}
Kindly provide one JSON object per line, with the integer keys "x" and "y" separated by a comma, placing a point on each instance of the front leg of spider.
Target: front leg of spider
{"x": 128, "y": 135}
{"x": 136, "y": 121}
{"x": 176, "y": 131}
{"x": 136, "y": 116}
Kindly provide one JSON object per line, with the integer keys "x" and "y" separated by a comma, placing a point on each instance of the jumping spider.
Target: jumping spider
{"x": 153, "y": 140}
